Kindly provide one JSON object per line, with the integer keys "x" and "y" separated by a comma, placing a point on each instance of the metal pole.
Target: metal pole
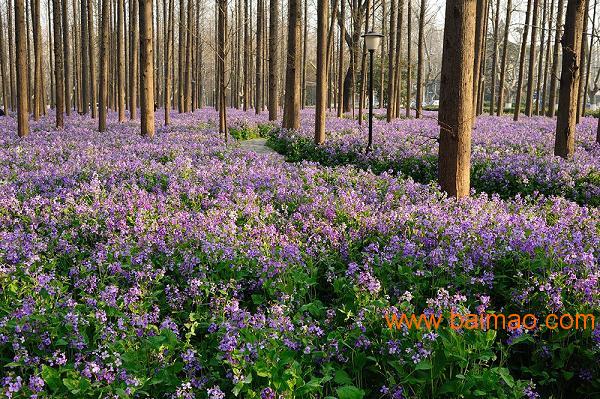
{"x": 370, "y": 100}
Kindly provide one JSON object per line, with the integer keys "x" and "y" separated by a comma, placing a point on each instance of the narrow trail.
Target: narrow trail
{"x": 258, "y": 146}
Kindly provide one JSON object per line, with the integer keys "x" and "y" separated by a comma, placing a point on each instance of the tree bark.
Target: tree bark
{"x": 564, "y": 145}
{"x": 321, "y": 100}
{"x": 532, "y": 61}
{"x": 554, "y": 74}
{"x": 146, "y": 69}
{"x": 5, "y": 78}
{"x": 273, "y": 59}
{"x": 259, "y": 50}
{"x": 182, "y": 53}
{"x": 392, "y": 52}
{"x": 168, "y": 63}
{"x": 58, "y": 64}
{"x": 121, "y": 59}
{"x": 104, "y": 49}
{"x": 580, "y": 94}
{"x": 456, "y": 98}
{"x": 479, "y": 37}
{"x": 187, "y": 105}
{"x": 21, "y": 58}
{"x": 247, "y": 51}
{"x": 495, "y": 58}
{"x": 408, "y": 62}
{"x": 68, "y": 73}
{"x": 398, "y": 61}
{"x": 12, "y": 52}
{"x": 522, "y": 63}
{"x": 222, "y": 30}
{"x": 541, "y": 59}
{"x": 547, "y": 61}
{"x": 304, "y": 49}
{"x": 291, "y": 111}
{"x": 589, "y": 58}
{"x": 420, "y": 61}
{"x": 85, "y": 59}
{"x": 37, "y": 48}
{"x": 342, "y": 24}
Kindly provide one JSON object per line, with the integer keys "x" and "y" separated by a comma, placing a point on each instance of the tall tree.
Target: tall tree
{"x": 456, "y": 98}
{"x": 495, "y": 57}
{"x": 58, "y": 64}
{"x": 555, "y": 61}
{"x": 182, "y": 54}
{"x": 12, "y": 53}
{"x": 187, "y": 89}
{"x": 532, "y": 60}
{"x": 169, "y": 62}
{"x": 134, "y": 43}
{"x": 85, "y": 60}
{"x": 92, "y": 57}
{"x": 480, "y": 20}
{"x": 21, "y": 55}
{"x": 5, "y": 78}
{"x": 121, "y": 59}
{"x": 104, "y": 65}
{"x": 397, "y": 62}
{"x": 547, "y": 60}
{"x": 321, "y": 103}
{"x": 408, "y": 61}
{"x": 589, "y": 57}
{"x": 222, "y": 31}
{"x": 540, "y": 76}
{"x": 146, "y": 69}
{"x": 522, "y": 62}
{"x": 564, "y": 145}
{"x": 584, "y": 44}
{"x": 260, "y": 17}
{"x": 342, "y": 24}
{"x": 273, "y": 55}
{"x": 68, "y": 73}
{"x": 392, "y": 52}
{"x": 291, "y": 111}
{"x": 37, "y": 48}
{"x": 247, "y": 52}
{"x": 421, "y": 60}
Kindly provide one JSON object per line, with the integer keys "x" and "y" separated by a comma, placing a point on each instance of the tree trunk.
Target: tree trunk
{"x": 37, "y": 48}
{"x": 121, "y": 59}
{"x": 304, "y": 48}
{"x": 247, "y": 51}
{"x": 5, "y": 79}
{"x": 363, "y": 69}
{"x": 259, "y": 50}
{"x": 11, "y": 52}
{"x": 456, "y": 98}
{"x": 222, "y": 29}
{"x": 85, "y": 61}
{"x": 408, "y": 62}
{"x": 392, "y": 52}
{"x": 547, "y": 60}
{"x": 92, "y": 57}
{"x": 532, "y": 61}
{"x": 169, "y": 62}
{"x": 589, "y": 58}
{"x": 342, "y": 24}
{"x": 554, "y": 73}
{"x": 104, "y": 49}
{"x": 495, "y": 58}
{"x": 187, "y": 106}
{"x": 146, "y": 69}
{"x": 21, "y": 46}
{"x": 564, "y": 145}
{"x": 58, "y": 64}
{"x": 580, "y": 94}
{"x": 397, "y": 67}
{"x": 273, "y": 55}
{"x": 321, "y": 101}
{"x": 420, "y": 61}
{"x": 182, "y": 53}
{"x": 291, "y": 112}
{"x": 68, "y": 73}
{"x": 522, "y": 63}
{"x": 541, "y": 59}
{"x": 479, "y": 37}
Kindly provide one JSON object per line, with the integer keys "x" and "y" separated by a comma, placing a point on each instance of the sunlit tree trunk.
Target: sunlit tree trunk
{"x": 247, "y": 52}
{"x": 146, "y": 69}
{"x": 304, "y": 59}
{"x": 456, "y": 98}
{"x": 291, "y": 112}
{"x": 398, "y": 61}
{"x": 554, "y": 73}
{"x": 479, "y": 38}
{"x": 564, "y": 145}
{"x": 409, "y": 60}
{"x": 121, "y": 58}
{"x": 181, "y": 60}
{"x": 221, "y": 43}
{"x": 392, "y": 52}
{"x": 522, "y": 63}
{"x": 37, "y": 48}
{"x": 420, "y": 60}
{"x": 259, "y": 27}
{"x": 21, "y": 58}
{"x": 104, "y": 65}
{"x": 85, "y": 59}
{"x": 134, "y": 43}
{"x": 92, "y": 57}
{"x": 5, "y": 78}
{"x": 495, "y": 58}
{"x": 589, "y": 58}
{"x": 187, "y": 105}
{"x": 547, "y": 60}
{"x": 68, "y": 78}
{"x": 273, "y": 55}
{"x": 532, "y": 61}
{"x": 58, "y": 64}
{"x": 580, "y": 94}
{"x": 321, "y": 103}
{"x": 342, "y": 24}
{"x": 540, "y": 76}
{"x": 168, "y": 63}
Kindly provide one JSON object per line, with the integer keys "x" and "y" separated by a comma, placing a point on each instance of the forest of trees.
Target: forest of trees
{"x": 92, "y": 56}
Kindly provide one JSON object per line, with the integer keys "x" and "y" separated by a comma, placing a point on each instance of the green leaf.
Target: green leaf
{"x": 51, "y": 377}
{"x": 342, "y": 378}
{"x": 350, "y": 392}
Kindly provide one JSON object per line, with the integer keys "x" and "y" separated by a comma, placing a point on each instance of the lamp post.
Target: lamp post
{"x": 372, "y": 40}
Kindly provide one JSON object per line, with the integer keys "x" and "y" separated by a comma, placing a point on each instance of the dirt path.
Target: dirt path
{"x": 258, "y": 146}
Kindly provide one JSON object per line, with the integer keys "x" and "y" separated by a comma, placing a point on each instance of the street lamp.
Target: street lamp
{"x": 372, "y": 40}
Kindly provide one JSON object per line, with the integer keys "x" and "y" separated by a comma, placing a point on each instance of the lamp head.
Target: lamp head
{"x": 372, "y": 40}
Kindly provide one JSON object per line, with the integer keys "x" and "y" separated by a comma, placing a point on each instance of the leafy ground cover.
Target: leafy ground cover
{"x": 508, "y": 158}
{"x": 184, "y": 268}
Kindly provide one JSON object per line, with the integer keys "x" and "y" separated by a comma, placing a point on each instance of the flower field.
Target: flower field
{"x": 183, "y": 267}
